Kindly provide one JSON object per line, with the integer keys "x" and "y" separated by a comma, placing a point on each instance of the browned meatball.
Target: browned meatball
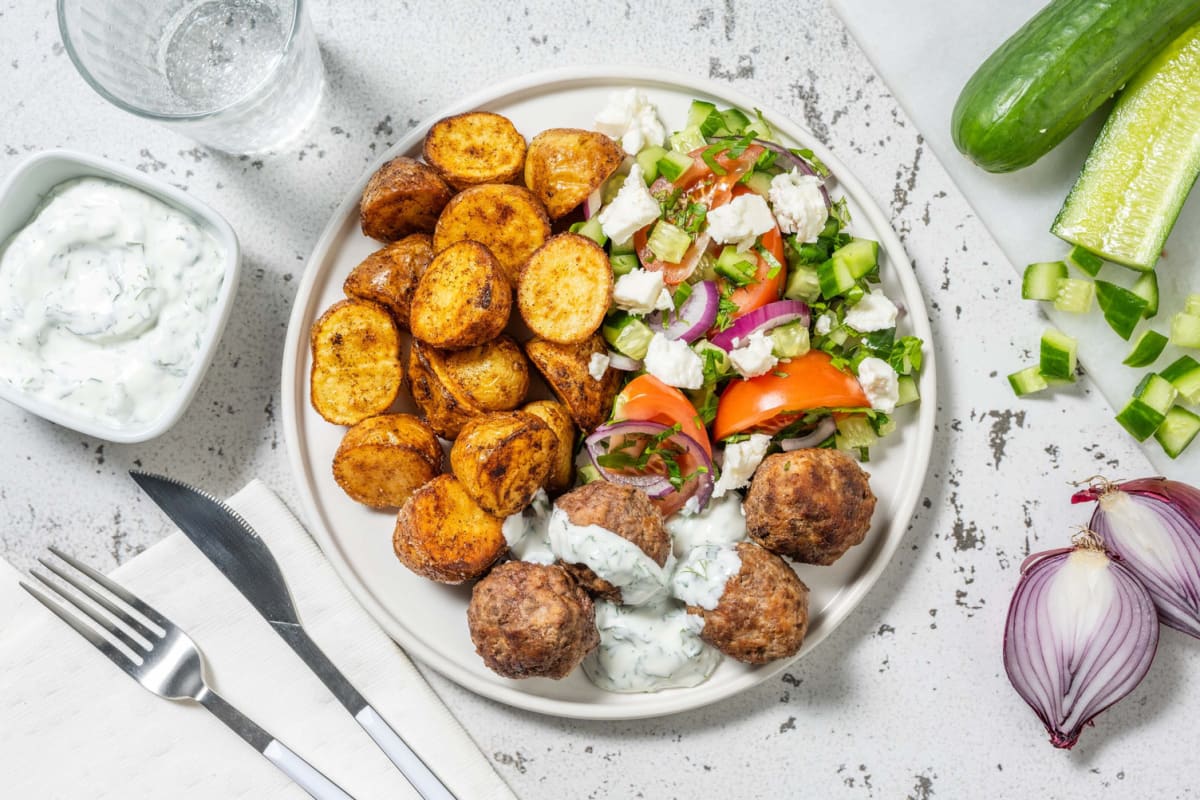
{"x": 531, "y": 620}
{"x": 624, "y": 510}
{"x": 763, "y": 613}
{"x": 810, "y": 505}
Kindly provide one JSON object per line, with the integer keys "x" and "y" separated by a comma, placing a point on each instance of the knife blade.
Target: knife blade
{"x": 228, "y": 541}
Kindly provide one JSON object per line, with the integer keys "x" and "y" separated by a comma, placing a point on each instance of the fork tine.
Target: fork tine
{"x": 92, "y": 614}
{"x": 118, "y": 590}
{"x": 108, "y": 605}
{"x": 114, "y": 654}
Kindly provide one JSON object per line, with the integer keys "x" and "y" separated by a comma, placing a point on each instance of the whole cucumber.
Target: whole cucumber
{"x": 1055, "y": 71}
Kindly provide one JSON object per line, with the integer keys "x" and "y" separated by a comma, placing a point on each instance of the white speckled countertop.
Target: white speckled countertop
{"x": 908, "y": 697}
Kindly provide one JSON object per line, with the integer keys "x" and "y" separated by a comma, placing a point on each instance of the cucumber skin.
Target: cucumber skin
{"x": 1062, "y": 65}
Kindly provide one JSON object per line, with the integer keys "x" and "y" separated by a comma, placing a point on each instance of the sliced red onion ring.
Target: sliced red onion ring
{"x": 823, "y": 431}
{"x": 794, "y": 160}
{"x": 622, "y": 362}
{"x": 1080, "y": 635}
{"x": 693, "y": 318}
{"x": 1153, "y": 526}
{"x": 655, "y": 485}
{"x": 591, "y": 206}
{"x": 772, "y": 315}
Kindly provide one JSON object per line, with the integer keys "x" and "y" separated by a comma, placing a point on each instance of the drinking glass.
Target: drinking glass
{"x": 237, "y": 75}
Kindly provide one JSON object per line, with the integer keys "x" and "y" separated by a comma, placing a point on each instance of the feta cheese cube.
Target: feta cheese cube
{"x": 638, "y": 291}
{"x": 741, "y": 459}
{"x": 873, "y": 312}
{"x": 880, "y": 383}
{"x": 633, "y": 119}
{"x": 631, "y": 210}
{"x": 799, "y": 205}
{"x": 740, "y": 221}
{"x": 674, "y": 363}
{"x": 598, "y": 365}
{"x": 824, "y": 324}
{"x": 753, "y": 355}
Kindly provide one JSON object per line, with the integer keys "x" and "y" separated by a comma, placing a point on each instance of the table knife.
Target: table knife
{"x": 229, "y": 542}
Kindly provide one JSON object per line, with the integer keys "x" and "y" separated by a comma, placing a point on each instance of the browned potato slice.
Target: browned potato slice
{"x": 444, "y": 412}
{"x": 403, "y": 196}
{"x": 555, "y": 415}
{"x": 565, "y": 367}
{"x": 564, "y": 165}
{"x": 474, "y": 148}
{"x": 493, "y": 376}
{"x": 356, "y": 370}
{"x": 565, "y": 288}
{"x": 389, "y": 276}
{"x": 382, "y": 460}
{"x": 442, "y": 534}
{"x": 502, "y": 459}
{"x": 462, "y": 300}
{"x": 508, "y": 219}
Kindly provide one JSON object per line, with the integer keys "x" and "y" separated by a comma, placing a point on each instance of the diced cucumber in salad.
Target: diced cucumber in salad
{"x": 744, "y": 310}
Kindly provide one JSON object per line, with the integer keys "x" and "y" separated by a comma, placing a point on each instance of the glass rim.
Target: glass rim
{"x": 157, "y": 116}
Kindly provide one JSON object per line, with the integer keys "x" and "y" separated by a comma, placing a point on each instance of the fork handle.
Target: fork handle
{"x": 306, "y": 776}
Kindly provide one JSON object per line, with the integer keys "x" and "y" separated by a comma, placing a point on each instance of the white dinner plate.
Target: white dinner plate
{"x": 429, "y": 619}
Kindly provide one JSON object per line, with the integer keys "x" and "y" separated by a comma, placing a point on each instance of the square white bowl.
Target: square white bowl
{"x": 20, "y": 196}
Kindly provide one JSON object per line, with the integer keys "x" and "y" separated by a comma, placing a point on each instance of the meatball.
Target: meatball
{"x": 810, "y": 505}
{"x": 624, "y": 510}
{"x": 762, "y": 614}
{"x": 531, "y": 620}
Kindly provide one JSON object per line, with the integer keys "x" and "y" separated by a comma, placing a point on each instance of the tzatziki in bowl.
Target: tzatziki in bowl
{"x": 114, "y": 290}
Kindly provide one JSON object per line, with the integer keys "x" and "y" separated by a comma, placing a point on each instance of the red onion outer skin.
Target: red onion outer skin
{"x": 1065, "y": 680}
{"x": 1174, "y": 581}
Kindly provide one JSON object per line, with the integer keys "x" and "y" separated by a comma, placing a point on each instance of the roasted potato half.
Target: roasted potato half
{"x": 403, "y": 196}
{"x": 475, "y": 147}
{"x": 565, "y": 289}
{"x": 442, "y": 534}
{"x": 508, "y": 219}
{"x": 462, "y": 300}
{"x": 492, "y": 376}
{"x": 389, "y": 276}
{"x": 356, "y": 371}
{"x": 502, "y": 459}
{"x": 383, "y": 460}
{"x": 440, "y": 407}
{"x": 564, "y": 165}
{"x": 556, "y": 417}
{"x": 565, "y": 367}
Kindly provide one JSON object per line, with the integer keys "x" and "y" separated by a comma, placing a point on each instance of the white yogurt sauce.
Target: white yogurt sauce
{"x": 646, "y": 649}
{"x": 613, "y": 558}
{"x": 527, "y": 534}
{"x": 104, "y": 300}
{"x": 700, "y": 578}
{"x": 722, "y": 522}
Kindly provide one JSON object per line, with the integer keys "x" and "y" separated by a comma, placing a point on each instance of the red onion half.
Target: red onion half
{"x": 764, "y": 318}
{"x": 1153, "y": 525}
{"x": 1081, "y": 634}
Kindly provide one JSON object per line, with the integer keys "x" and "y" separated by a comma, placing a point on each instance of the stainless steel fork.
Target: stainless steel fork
{"x": 157, "y": 654}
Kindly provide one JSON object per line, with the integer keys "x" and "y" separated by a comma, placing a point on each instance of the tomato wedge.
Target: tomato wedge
{"x": 768, "y": 402}
{"x": 646, "y": 398}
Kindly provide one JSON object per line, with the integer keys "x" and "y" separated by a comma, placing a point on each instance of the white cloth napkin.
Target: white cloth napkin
{"x": 72, "y": 725}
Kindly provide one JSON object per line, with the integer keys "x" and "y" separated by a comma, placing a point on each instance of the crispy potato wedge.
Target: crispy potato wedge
{"x": 565, "y": 289}
{"x": 356, "y": 371}
{"x": 403, "y": 196}
{"x": 564, "y": 165}
{"x": 555, "y": 415}
{"x": 444, "y": 412}
{"x": 442, "y": 534}
{"x": 475, "y": 147}
{"x": 502, "y": 459}
{"x": 383, "y": 460}
{"x": 565, "y": 368}
{"x": 508, "y": 219}
{"x": 389, "y": 276}
{"x": 462, "y": 300}
{"x": 492, "y": 377}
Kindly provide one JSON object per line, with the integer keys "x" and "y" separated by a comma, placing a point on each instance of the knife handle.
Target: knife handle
{"x": 420, "y": 776}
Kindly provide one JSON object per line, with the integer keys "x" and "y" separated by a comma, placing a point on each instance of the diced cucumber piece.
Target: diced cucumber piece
{"x": 1148, "y": 408}
{"x": 789, "y": 341}
{"x": 1074, "y": 295}
{"x": 623, "y": 263}
{"x": 1122, "y": 308}
{"x": 1041, "y": 280}
{"x": 1027, "y": 381}
{"x": 759, "y": 183}
{"x": 668, "y": 242}
{"x": 1179, "y": 427}
{"x": 1085, "y": 261}
{"x": 855, "y": 431}
{"x": 627, "y": 335}
{"x": 587, "y": 473}
{"x": 859, "y": 256}
{"x": 834, "y": 278}
{"x": 591, "y": 229}
{"x": 674, "y": 164}
{"x": 837, "y": 336}
{"x": 704, "y": 116}
{"x": 739, "y": 268}
{"x": 1058, "y": 355}
{"x": 1156, "y": 392}
{"x": 1146, "y": 349}
{"x": 623, "y": 248}
{"x": 758, "y": 128}
{"x": 716, "y": 361}
{"x": 648, "y": 159}
{"x": 1146, "y": 287}
{"x": 1185, "y": 330}
{"x": 1184, "y": 375}
{"x": 735, "y": 121}
{"x": 908, "y": 390}
{"x": 687, "y": 140}
{"x": 802, "y": 284}
{"x": 1192, "y": 305}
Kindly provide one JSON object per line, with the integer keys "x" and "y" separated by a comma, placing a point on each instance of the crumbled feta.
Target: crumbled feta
{"x": 665, "y": 302}
{"x": 753, "y": 355}
{"x": 638, "y": 291}
{"x": 598, "y": 365}
{"x": 633, "y": 119}
{"x": 740, "y": 221}
{"x": 674, "y": 363}
{"x": 799, "y": 205}
{"x": 741, "y": 459}
{"x": 824, "y": 324}
{"x": 631, "y": 210}
{"x": 880, "y": 383}
{"x": 873, "y": 312}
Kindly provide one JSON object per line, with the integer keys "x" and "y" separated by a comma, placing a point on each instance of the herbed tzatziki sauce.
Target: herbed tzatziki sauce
{"x": 648, "y": 648}
{"x": 105, "y": 296}
{"x": 700, "y": 578}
